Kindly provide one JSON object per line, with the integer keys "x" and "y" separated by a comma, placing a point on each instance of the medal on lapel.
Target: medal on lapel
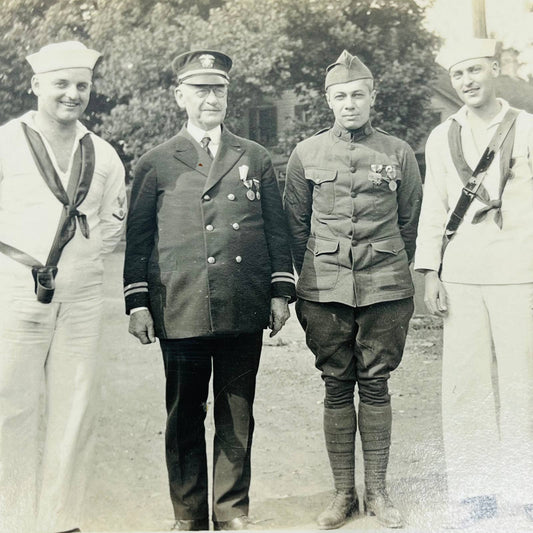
{"x": 256, "y": 188}
{"x": 251, "y": 184}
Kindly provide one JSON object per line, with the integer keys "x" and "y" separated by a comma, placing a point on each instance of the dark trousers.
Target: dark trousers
{"x": 356, "y": 345}
{"x": 234, "y": 361}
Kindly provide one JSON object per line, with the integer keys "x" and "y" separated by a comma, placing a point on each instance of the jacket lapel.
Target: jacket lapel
{"x": 229, "y": 152}
{"x": 189, "y": 152}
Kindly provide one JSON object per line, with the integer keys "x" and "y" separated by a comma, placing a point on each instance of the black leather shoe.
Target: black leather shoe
{"x": 528, "y": 509}
{"x": 380, "y": 506}
{"x": 470, "y": 511}
{"x": 75, "y": 530}
{"x": 343, "y": 506}
{"x": 200, "y": 524}
{"x": 235, "y": 524}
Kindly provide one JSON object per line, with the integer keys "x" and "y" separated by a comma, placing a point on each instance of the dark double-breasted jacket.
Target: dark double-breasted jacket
{"x": 207, "y": 241}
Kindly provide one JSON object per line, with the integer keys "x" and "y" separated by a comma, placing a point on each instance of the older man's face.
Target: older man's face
{"x": 63, "y": 95}
{"x": 205, "y": 104}
{"x": 473, "y": 81}
{"x": 351, "y": 102}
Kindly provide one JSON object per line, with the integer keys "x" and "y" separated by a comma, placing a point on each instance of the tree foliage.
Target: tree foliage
{"x": 275, "y": 44}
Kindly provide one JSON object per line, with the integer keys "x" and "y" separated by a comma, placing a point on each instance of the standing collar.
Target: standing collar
{"x": 198, "y": 133}
{"x": 352, "y": 135}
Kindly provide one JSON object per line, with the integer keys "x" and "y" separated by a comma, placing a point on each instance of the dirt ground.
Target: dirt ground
{"x": 291, "y": 481}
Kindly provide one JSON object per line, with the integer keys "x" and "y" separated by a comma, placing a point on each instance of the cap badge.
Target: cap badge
{"x": 207, "y": 60}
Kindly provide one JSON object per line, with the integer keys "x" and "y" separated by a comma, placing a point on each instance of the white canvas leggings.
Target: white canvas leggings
{"x": 487, "y": 412}
{"x": 50, "y": 350}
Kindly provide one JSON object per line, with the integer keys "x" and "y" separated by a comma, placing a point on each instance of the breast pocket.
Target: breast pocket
{"x": 323, "y": 188}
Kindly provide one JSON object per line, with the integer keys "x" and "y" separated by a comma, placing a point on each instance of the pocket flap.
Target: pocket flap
{"x": 392, "y": 245}
{"x": 319, "y": 175}
{"x": 322, "y": 246}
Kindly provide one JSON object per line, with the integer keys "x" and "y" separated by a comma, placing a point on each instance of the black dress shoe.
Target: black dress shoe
{"x": 471, "y": 511}
{"x": 528, "y": 509}
{"x": 199, "y": 524}
{"x": 235, "y": 524}
{"x": 75, "y": 530}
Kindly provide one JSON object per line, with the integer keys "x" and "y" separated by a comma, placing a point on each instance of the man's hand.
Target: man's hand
{"x": 142, "y": 326}
{"x": 279, "y": 314}
{"x": 435, "y": 297}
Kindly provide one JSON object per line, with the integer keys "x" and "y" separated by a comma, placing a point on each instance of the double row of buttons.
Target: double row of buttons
{"x": 235, "y": 226}
{"x": 211, "y": 260}
{"x": 230, "y": 197}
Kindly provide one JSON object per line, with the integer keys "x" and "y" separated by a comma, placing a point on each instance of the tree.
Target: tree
{"x": 388, "y": 36}
{"x": 275, "y": 45}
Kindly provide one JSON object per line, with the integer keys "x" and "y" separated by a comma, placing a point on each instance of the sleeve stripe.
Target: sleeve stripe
{"x": 284, "y": 279}
{"x": 283, "y": 274}
{"x": 138, "y": 284}
{"x": 134, "y": 291}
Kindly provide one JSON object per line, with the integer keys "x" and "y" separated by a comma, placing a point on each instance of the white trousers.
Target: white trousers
{"x": 50, "y": 351}
{"x": 487, "y": 391}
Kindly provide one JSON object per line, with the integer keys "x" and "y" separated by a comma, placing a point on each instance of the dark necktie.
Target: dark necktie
{"x": 205, "y": 145}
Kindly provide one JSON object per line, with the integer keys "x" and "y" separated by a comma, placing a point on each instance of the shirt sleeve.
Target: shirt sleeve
{"x": 435, "y": 208}
{"x": 298, "y": 201}
{"x": 113, "y": 210}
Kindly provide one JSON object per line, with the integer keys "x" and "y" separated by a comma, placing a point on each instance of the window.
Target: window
{"x": 301, "y": 112}
{"x": 264, "y": 125}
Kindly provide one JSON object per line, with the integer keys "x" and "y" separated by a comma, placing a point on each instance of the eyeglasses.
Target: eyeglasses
{"x": 219, "y": 91}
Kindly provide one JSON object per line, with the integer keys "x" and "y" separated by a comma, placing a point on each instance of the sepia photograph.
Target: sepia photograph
{"x": 266, "y": 265}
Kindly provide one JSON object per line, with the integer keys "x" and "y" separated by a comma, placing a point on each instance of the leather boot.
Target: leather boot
{"x": 343, "y": 506}
{"x": 375, "y": 423}
{"x": 339, "y": 431}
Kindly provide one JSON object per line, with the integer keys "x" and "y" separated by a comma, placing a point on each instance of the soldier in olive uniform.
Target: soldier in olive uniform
{"x": 207, "y": 268}
{"x": 353, "y": 198}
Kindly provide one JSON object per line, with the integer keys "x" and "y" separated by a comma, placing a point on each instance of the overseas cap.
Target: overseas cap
{"x": 57, "y": 56}
{"x": 202, "y": 67}
{"x": 347, "y": 68}
{"x": 466, "y": 49}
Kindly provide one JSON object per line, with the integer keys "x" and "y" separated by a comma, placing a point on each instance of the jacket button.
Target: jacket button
{"x": 206, "y": 197}
{"x": 354, "y": 242}
{"x": 209, "y": 227}
{"x": 352, "y": 169}
{"x": 238, "y": 259}
{"x": 235, "y": 226}
{"x": 354, "y": 219}
{"x": 211, "y": 260}
{"x": 353, "y": 194}
{"x": 231, "y": 196}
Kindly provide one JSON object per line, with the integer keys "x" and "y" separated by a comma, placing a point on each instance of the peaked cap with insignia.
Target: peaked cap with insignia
{"x": 347, "y": 68}
{"x": 202, "y": 67}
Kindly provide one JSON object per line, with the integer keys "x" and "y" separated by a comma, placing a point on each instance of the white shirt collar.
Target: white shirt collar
{"x": 198, "y": 133}
{"x": 29, "y": 119}
{"x": 462, "y": 115}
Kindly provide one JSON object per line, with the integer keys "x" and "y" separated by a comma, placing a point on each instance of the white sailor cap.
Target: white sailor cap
{"x": 57, "y": 56}
{"x": 463, "y": 50}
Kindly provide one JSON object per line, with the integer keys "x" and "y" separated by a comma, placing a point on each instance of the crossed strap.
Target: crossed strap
{"x": 78, "y": 186}
{"x": 503, "y": 141}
